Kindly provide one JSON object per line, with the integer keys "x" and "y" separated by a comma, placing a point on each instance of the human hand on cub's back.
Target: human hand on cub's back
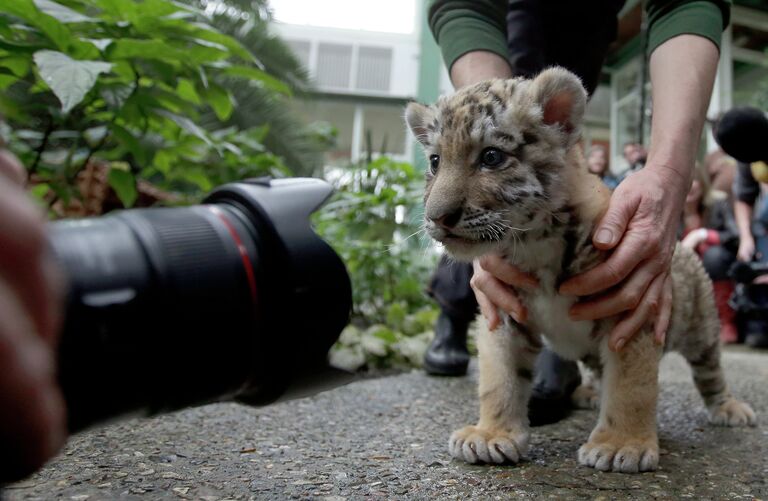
{"x": 640, "y": 230}
{"x": 639, "y": 227}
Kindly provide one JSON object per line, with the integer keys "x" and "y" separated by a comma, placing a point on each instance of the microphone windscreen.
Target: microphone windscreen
{"x": 743, "y": 134}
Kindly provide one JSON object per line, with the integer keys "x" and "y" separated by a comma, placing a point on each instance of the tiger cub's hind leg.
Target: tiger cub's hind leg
{"x": 723, "y": 408}
{"x": 587, "y": 394}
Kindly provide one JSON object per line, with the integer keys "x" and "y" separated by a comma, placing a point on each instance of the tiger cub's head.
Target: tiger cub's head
{"x": 496, "y": 155}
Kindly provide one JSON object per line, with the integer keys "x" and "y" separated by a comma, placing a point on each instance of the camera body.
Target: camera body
{"x": 172, "y": 307}
{"x": 750, "y": 302}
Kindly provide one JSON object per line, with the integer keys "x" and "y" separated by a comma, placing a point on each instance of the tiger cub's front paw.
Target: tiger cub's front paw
{"x": 614, "y": 451}
{"x": 478, "y": 445}
{"x": 733, "y": 413}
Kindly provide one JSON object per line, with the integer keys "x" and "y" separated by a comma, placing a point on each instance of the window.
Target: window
{"x": 625, "y": 112}
{"x": 334, "y": 62}
{"x": 374, "y": 66}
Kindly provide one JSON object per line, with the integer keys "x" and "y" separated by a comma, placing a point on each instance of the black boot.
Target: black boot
{"x": 447, "y": 355}
{"x": 554, "y": 381}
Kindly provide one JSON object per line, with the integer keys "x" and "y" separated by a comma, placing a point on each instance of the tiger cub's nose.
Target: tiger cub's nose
{"x": 447, "y": 219}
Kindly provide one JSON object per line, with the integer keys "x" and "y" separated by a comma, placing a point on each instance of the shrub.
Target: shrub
{"x": 142, "y": 88}
{"x": 374, "y": 222}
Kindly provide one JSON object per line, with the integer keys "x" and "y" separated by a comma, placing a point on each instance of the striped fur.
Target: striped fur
{"x": 538, "y": 208}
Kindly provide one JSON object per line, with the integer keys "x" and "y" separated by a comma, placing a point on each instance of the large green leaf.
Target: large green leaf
{"x": 18, "y": 65}
{"x": 207, "y": 32}
{"x": 260, "y": 76}
{"x": 62, "y": 13}
{"x": 124, "y": 184}
{"x": 128, "y": 48}
{"x": 203, "y": 51}
{"x": 186, "y": 124}
{"x": 220, "y": 101}
{"x": 186, "y": 90}
{"x": 100, "y": 43}
{"x": 16, "y": 47}
{"x": 69, "y": 79}
{"x": 153, "y": 14}
{"x": 40, "y": 191}
{"x": 7, "y": 80}
{"x": 115, "y": 95}
{"x": 53, "y": 29}
{"x": 126, "y": 10}
{"x": 130, "y": 144}
{"x": 198, "y": 178}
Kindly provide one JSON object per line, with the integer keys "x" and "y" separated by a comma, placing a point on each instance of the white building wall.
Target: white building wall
{"x": 404, "y": 65}
{"x": 368, "y": 93}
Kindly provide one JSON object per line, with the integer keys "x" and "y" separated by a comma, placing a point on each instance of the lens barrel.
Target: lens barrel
{"x": 174, "y": 307}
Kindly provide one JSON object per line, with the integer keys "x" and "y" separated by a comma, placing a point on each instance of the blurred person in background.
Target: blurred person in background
{"x": 597, "y": 163}
{"x": 751, "y": 212}
{"x": 709, "y": 229}
{"x": 721, "y": 169}
{"x": 635, "y": 154}
{"x": 742, "y": 132}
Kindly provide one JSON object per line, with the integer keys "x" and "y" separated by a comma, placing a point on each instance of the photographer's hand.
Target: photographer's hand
{"x": 746, "y": 249}
{"x": 32, "y": 418}
{"x": 743, "y": 212}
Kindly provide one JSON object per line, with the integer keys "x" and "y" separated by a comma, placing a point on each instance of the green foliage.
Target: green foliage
{"x": 124, "y": 184}
{"x": 152, "y": 84}
{"x": 374, "y": 222}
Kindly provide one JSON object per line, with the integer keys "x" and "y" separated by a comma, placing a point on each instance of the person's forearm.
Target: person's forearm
{"x": 682, "y": 76}
{"x": 742, "y": 211}
{"x": 478, "y": 65}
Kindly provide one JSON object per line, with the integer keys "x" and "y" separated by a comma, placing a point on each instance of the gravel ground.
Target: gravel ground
{"x": 387, "y": 438}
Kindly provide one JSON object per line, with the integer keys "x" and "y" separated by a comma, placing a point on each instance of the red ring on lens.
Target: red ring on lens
{"x": 240, "y": 249}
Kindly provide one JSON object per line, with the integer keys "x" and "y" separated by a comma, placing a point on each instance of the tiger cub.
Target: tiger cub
{"x": 506, "y": 176}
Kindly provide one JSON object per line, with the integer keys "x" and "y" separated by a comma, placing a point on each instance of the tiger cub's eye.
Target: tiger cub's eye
{"x": 492, "y": 157}
{"x": 434, "y": 162}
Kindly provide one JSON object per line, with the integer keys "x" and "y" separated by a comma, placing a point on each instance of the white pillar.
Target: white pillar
{"x": 312, "y": 63}
{"x": 357, "y": 134}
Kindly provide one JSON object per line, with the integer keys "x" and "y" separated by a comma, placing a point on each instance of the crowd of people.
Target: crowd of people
{"x": 635, "y": 155}
{"x": 724, "y": 220}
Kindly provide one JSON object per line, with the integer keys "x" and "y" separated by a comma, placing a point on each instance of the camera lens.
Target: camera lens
{"x": 179, "y": 306}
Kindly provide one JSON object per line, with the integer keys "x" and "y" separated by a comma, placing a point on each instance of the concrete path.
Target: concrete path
{"x": 387, "y": 438}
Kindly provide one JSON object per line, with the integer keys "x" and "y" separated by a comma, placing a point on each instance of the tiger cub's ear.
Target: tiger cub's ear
{"x": 419, "y": 117}
{"x": 562, "y": 99}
